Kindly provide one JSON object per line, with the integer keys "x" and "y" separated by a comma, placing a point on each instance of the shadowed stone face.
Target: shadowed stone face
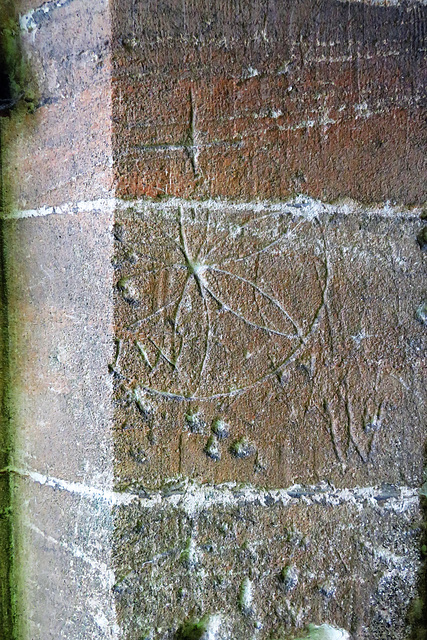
{"x": 295, "y": 326}
{"x": 265, "y": 99}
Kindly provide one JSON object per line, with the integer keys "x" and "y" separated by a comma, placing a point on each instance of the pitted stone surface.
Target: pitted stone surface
{"x": 298, "y": 332}
{"x": 357, "y": 568}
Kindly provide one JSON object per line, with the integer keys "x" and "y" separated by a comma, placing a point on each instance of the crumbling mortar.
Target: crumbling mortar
{"x": 299, "y": 207}
{"x": 192, "y": 497}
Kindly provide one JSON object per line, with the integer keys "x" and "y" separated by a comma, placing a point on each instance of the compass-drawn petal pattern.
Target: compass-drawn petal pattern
{"x": 223, "y": 301}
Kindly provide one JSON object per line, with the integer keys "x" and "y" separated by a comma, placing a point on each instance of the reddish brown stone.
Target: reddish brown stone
{"x": 300, "y": 335}
{"x": 271, "y": 102}
{"x": 259, "y": 345}
{"x": 62, "y": 151}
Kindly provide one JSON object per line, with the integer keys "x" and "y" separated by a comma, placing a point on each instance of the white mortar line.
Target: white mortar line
{"x": 102, "y": 205}
{"x": 192, "y": 497}
{"x": 76, "y": 488}
{"x": 300, "y": 206}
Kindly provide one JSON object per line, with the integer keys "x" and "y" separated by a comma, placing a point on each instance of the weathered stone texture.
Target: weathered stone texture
{"x": 62, "y": 151}
{"x": 61, "y": 341}
{"x": 294, "y": 326}
{"x": 60, "y": 326}
{"x": 5, "y": 497}
{"x": 63, "y": 564}
{"x": 253, "y": 100}
{"x": 353, "y": 564}
{"x": 261, "y": 461}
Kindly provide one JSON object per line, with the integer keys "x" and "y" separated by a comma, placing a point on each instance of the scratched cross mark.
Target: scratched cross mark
{"x": 213, "y": 303}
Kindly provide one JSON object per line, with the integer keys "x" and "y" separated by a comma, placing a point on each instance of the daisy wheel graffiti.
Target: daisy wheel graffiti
{"x": 212, "y": 302}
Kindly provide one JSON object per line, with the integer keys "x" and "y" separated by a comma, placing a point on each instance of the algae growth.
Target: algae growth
{"x": 17, "y": 82}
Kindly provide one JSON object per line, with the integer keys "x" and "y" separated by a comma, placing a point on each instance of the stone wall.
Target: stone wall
{"x": 57, "y": 177}
{"x": 216, "y": 310}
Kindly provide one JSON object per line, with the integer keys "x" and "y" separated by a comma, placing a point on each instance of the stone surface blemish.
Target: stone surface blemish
{"x": 246, "y": 597}
{"x": 421, "y": 313}
{"x": 212, "y": 449}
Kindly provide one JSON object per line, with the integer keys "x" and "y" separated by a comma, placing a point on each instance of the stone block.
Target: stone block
{"x": 62, "y": 563}
{"x": 60, "y": 323}
{"x": 264, "y": 567}
{"x": 284, "y": 99}
{"x": 294, "y": 326}
{"x": 62, "y": 150}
